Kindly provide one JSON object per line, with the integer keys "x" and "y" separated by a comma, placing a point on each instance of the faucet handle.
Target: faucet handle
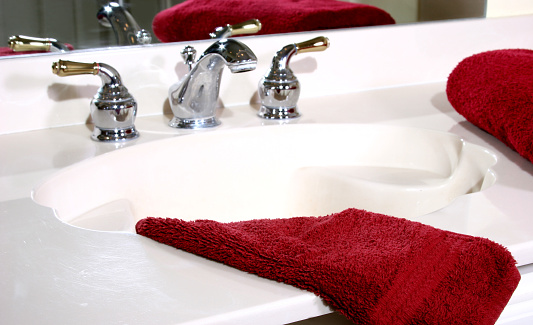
{"x": 251, "y": 26}
{"x": 189, "y": 55}
{"x": 279, "y": 89}
{"x": 113, "y": 108}
{"x": 65, "y": 68}
{"x": 143, "y": 36}
{"x": 28, "y": 43}
{"x": 316, "y": 44}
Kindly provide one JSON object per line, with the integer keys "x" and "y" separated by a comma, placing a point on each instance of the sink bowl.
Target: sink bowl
{"x": 270, "y": 172}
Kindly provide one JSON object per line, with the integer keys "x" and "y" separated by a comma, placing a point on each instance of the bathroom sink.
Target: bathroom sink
{"x": 270, "y": 172}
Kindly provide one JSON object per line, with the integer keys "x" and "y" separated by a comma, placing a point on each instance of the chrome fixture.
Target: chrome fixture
{"x": 19, "y": 43}
{"x": 279, "y": 89}
{"x": 188, "y": 54}
{"x": 194, "y": 98}
{"x": 126, "y": 29}
{"x": 113, "y": 109}
{"x": 251, "y": 26}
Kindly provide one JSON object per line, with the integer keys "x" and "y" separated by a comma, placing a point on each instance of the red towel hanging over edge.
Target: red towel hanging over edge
{"x": 373, "y": 268}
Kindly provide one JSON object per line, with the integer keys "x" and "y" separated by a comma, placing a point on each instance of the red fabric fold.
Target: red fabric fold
{"x": 373, "y": 268}
{"x": 494, "y": 91}
{"x": 5, "y": 51}
{"x": 195, "y": 19}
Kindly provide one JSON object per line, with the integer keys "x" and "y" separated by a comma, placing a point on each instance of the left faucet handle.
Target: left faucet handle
{"x": 65, "y": 68}
{"x": 113, "y": 108}
{"x": 20, "y": 43}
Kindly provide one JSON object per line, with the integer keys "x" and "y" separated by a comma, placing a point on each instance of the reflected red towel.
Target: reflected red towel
{"x": 494, "y": 91}
{"x": 373, "y": 268}
{"x": 5, "y": 51}
{"x": 195, "y": 19}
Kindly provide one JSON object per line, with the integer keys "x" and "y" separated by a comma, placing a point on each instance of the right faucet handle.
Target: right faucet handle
{"x": 316, "y": 44}
{"x": 279, "y": 89}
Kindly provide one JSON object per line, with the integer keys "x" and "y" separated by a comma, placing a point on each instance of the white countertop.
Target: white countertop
{"x": 53, "y": 272}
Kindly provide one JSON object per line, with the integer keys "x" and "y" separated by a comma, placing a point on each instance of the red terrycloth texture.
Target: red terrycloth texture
{"x": 373, "y": 268}
{"x": 494, "y": 91}
{"x": 195, "y": 19}
{"x": 5, "y": 51}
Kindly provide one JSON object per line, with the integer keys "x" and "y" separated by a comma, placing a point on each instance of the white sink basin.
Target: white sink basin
{"x": 270, "y": 172}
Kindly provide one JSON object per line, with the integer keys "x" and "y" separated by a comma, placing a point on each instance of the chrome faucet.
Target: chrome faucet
{"x": 126, "y": 29}
{"x": 194, "y": 98}
{"x": 279, "y": 89}
{"x": 113, "y": 109}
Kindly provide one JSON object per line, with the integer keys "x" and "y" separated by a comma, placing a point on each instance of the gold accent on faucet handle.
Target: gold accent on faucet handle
{"x": 70, "y": 68}
{"x": 313, "y": 45}
{"x": 251, "y": 26}
{"x": 27, "y": 43}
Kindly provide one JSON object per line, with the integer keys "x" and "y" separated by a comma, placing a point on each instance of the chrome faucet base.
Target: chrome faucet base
{"x": 201, "y": 123}
{"x": 115, "y": 135}
{"x": 278, "y": 113}
{"x": 279, "y": 89}
{"x": 113, "y": 108}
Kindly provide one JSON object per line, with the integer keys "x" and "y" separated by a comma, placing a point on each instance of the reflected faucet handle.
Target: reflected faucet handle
{"x": 143, "y": 37}
{"x": 113, "y": 109}
{"x": 28, "y": 43}
{"x": 279, "y": 89}
{"x": 251, "y": 26}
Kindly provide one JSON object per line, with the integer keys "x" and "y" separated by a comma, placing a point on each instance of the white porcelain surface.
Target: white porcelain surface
{"x": 270, "y": 172}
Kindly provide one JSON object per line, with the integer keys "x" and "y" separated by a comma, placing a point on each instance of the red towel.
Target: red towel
{"x": 372, "y": 268}
{"x": 195, "y": 19}
{"x": 5, "y": 51}
{"x": 494, "y": 90}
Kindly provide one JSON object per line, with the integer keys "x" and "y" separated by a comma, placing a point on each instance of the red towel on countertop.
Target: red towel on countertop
{"x": 373, "y": 268}
{"x": 195, "y": 19}
{"x": 494, "y": 91}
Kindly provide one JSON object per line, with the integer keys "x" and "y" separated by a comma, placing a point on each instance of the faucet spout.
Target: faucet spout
{"x": 236, "y": 55}
{"x": 193, "y": 100}
{"x": 126, "y": 29}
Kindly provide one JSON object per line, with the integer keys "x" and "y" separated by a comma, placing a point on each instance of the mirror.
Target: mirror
{"x": 74, "y": 21}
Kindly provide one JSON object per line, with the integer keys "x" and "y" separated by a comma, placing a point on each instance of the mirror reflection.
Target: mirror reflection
{"x": 82, "y": 24}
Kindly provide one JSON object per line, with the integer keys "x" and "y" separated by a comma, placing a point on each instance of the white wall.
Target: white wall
{"x": 403, "y": 11}
{"x": 409, "y": 11}
{"x": 501, "y": 8}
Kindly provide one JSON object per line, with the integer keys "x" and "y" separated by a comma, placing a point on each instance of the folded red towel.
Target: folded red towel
{"x": 373, "y": 268}
{"x": 494, "y": 90}
{"x": 195, "y": 19}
